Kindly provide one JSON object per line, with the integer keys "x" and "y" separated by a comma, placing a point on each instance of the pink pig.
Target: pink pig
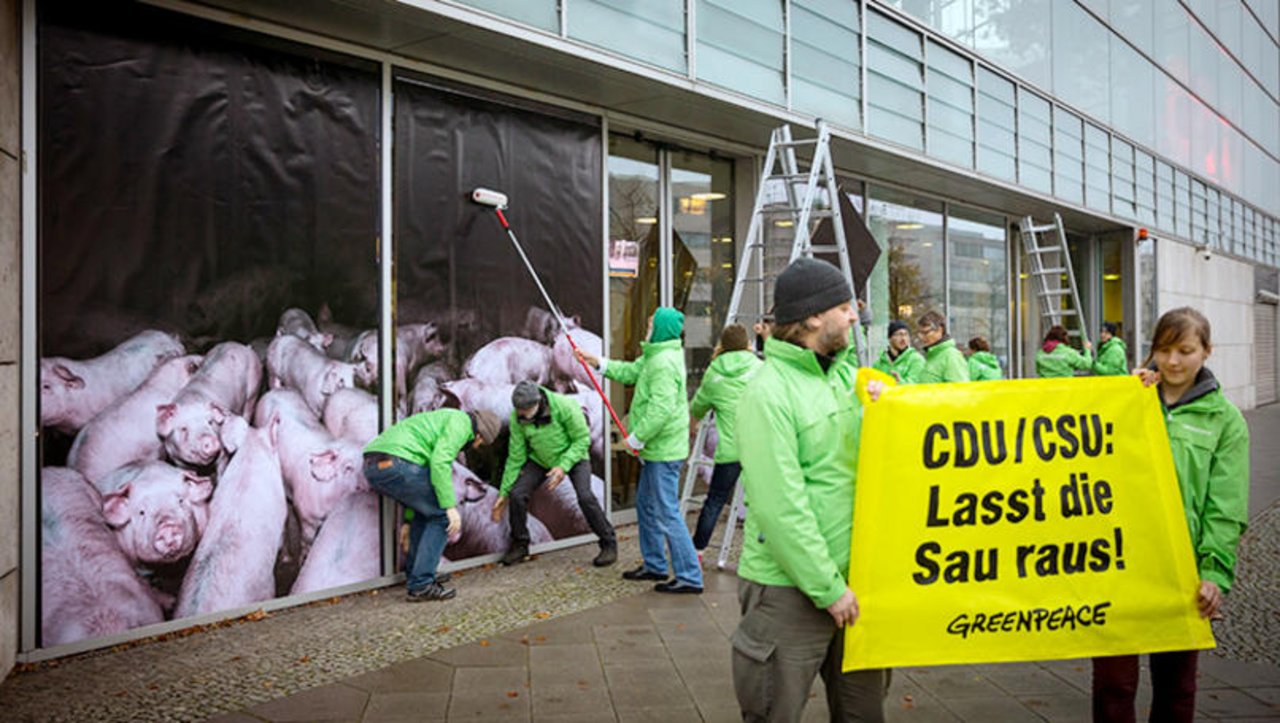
{"x": 352, "y": 414}
{"x": 510, "y": 360}
{"x": 88, "y": 585}
{"x": 318, "y": 469}
{"x": 234, "y": 563}
{"x": 72, "y": 392}
{"x": 158, "y": 511}
{"x": 293, "y": 363}
{"x": 125, "y": 431}
{"x": 480, "y": 534}
{"x": 296, "y": 322}
{"x": 226, "y": 384}
{"x": 563, "y": 361}
{"x": 346, "y": 550}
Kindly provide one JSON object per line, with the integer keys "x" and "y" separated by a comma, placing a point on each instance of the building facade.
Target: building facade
{"x": 198, "y": 168}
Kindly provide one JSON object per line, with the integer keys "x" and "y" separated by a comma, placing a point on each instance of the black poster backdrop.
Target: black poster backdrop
{"x": 456, "y": 267}
{"x": 196, "y": 183}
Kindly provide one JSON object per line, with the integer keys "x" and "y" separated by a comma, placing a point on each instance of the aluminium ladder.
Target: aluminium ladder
{"x": 1049, "y": 265}
{"x": 788, "y": 197}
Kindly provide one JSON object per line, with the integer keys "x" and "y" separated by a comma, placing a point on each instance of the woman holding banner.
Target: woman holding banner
{"x": 1210, "y": 444}
{"x": 1057, "y": 358}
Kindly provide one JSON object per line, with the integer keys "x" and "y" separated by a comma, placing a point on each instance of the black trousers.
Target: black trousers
{"x": 532, "y": 476}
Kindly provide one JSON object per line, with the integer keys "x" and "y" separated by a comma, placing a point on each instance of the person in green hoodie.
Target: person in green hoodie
{"x": 798, "y": 427}
{"x": 943, "y": 362}
{"x": 660, "y": 434}
{"x": 549, "y": 442}
{"x": 1057, "y": 358}
{"x": 721, "y": 388}
{"x": 412, "y": 462}
{"x": 900, "y": 360}
{"x": 1210, "y": 445}
{"x": 1113, "y": 356}
{"x": 983, "y": 365}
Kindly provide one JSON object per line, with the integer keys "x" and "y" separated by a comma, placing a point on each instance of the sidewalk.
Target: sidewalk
{"x": 558, "y": 640}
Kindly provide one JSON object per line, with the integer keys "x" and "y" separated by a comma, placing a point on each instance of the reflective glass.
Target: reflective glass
{"x": 653, "y": 31}
{"x": 1199, "y": 219}
{"x": 1135, "y": 20}
{"x": 978, "y": 276}
{"x": 1164, "y": 197}
{"x": 740, "y": 46}
{"x": 950, "y": 83}
{"x": 1097, "y": 168}
{"x": 825, "y": 71}
{"x": 1173, "y": 121}
{"x": 997, "y": 121}
{"x": 538, "y": 13}
{"x": 1133, "y": 93}
{"x": 1205, "y": 141}
{"x": 1182, "y": 204}
{"x": 1122, "y": 190}
{"x": 910, "y": 227}
{"x": 1017, "y": 36}
{"x": 1173, "y": 28}
{"x": 895, "y": 82}
{"x": 1077, "y": 78}
{"x": 1145, "y": 187}
{"x": 1035, "y": 161}
{"x": 1068, "y": 155}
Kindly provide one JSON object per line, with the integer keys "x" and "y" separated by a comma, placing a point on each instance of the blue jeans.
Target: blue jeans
{"x": 410, "y": 485}
{"x": 723, "y": 479}
{"x": 658, "y": 513}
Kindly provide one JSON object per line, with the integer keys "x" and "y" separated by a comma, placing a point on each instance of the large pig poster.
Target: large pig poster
{"x": 208, "y": 271}
{"x": 459, "y": 274}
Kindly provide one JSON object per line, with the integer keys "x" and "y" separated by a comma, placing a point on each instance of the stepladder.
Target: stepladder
{"x": 798, "y": 191}
{"x": 1047, "y": 258}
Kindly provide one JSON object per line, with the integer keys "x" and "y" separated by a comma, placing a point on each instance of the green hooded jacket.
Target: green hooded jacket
{"x": 1113, "y": 358}
{"x": 1062, "y": 361}
{"x": 1210, "y": 443}
{"x": 659, "y": 414}
{"x": 984, "y": 367}
{"x": 558, "y": 437}
{"x": 909, "y": 365}
{"x": 943, "y": 362}
{"x": 432, "y": 440}
{"x": 798, "y": 431}
{"x": 720, "y": 390}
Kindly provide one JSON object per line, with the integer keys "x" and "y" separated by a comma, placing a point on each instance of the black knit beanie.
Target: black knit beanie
{"x": 897, "y": 326}
{"x": 808, "y": 287}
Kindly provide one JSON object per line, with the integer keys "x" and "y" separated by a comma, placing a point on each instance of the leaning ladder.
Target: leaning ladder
{"x": 787, "y": 196}
{"x": 1049, "y": 262}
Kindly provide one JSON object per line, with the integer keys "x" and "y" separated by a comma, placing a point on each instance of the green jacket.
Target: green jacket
{"x": 433, "y": 440}
{"x": 984, "y": 367}
{"x": 721, "y": 389}
{"x": 557, "y": 438}
{"x": 909, "y": 365}
{"x": 943, "y": 362}
{"x": 798, "y": 431}
{"x": 1210, "y": 443}
{"x": 1062, "y": 361}
{"x": 1113, "y": 358}
{"x": 659, "y": 410}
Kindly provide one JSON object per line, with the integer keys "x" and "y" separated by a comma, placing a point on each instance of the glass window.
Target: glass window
{"x": 1204, "y": 65}
{"x": 997, "y": 122}
{"x": 702, "y": 252}
{"x": 978, "y": 268}
{"x": 1145, "y": 185}
{"x": 1134, "y": 19}
{"x": 1199, "y": 220}
{"x": 1133, "y": 93}
{"x": 825, "y": 69}
{"x": 653, "y": 32}
{"x": 1098, "y": 167}
{"x": 1173, "y": 121}
{"x": 740, "y": 45}
{"x": 1068, "y": 156}
{"x": 1122, "y": 177}
{"x": 1182, "y": 204}
{"x": 895, "y": 82}
{"x": 1164, "y": 197}
{"x": 1086, "y": 49}
{"x": 1035, "y": 160}
{"x": 1213, "y": 217}
{"x": 538, "y": 13}
{"x": 1016, "y": 35}
{"x": 950, "y": 84}
{"x": 1173, "y": 28}
{"x": 953, "y": 18}
{"x": 1111, "y": 258}
{"x": 1205, "y": 141}
{"x": 1146, "y": 261}
{"x": 910, "y": 227}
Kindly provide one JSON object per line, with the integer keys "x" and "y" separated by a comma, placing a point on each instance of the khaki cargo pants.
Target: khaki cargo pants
{"x": 781, "y": 644}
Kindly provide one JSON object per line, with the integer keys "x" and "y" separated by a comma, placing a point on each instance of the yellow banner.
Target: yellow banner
{"x": 1019, "y": 520}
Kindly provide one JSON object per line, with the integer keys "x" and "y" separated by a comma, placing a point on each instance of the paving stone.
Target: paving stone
{"x": 406, "y": 707}
{"x": 569, "y": 699}
{"x": 646, "y": 683}
{"x": 1076, "y": 707}
{"x": 1241, "y": 674}
{"x": 326, "y": 703}
{"x": 474, "y": 680}
{"x": 1027, "y": 679}
{"x": 1266, "y": 695}
{"x": 989, "y": 708}
{"x": 598, "y": 716}
{"x": 955, "y": 681}
{"x": 1230, "y": 703}
{"x": 493, "y": 652}
{"x": 416, "y": 676}
{"x": 659, "y": 715}
{"x": 234, "y": 718}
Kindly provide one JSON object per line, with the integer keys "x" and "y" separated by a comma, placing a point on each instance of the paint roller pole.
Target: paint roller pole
{"x": 498, "y": 201}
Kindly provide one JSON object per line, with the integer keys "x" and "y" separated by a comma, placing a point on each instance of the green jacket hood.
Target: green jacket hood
{"x": 734, "y": 363}
{"x": 721, "y": 389}
{"x": 667, "y": 324}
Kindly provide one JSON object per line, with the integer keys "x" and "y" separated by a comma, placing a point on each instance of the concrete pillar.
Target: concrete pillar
{"x": 10, "y": 329}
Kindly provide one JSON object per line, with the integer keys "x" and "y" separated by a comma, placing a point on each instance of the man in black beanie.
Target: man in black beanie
{"x": 901, "y": 360}
{"x": 799, "y": 423}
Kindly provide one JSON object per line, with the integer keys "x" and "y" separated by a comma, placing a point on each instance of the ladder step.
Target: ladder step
{"x": 1042, "y": 229}
{"x": 1044, "y": 250}
{"x": 815, "y": 213}
{"x": 1061, "y": 270}
{"x": 793, "y": 177}
{"x": 826, "y": 249}
{"x": 1055, "y": 292}
{"x": 796, "y": 144}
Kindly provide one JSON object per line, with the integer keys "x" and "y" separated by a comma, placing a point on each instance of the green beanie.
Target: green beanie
{"x": 667, "y": 324}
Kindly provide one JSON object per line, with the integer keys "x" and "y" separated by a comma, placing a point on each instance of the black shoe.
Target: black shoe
{"x": 434, "y": 591}
{"x": 677, "y": 587}
{"x": 516, "y": 554}
{"x": 608, "y": 555}
{"x": 641, "y": 573}
{"x": 443, "y": 577}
